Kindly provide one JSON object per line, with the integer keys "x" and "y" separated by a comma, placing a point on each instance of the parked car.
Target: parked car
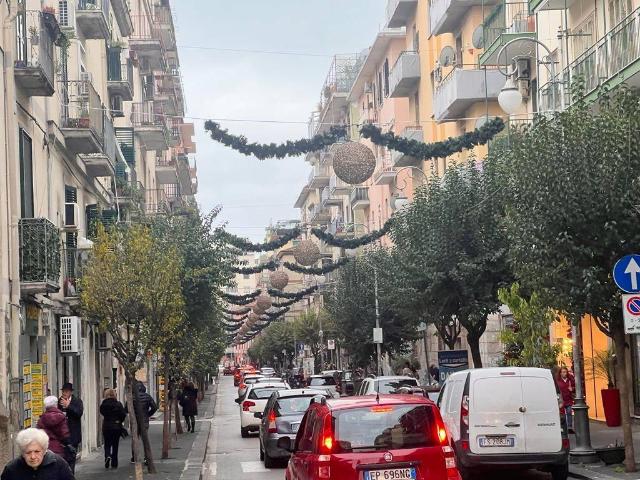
{"x": 227, "y": 370}
{"x": 346, "y": 383}
{"x": 246, "y": 381}
{"x": 369, "y": 438}
{"x": 270, "y": 379}
{"x": 267, "y": 371}
{"x": 505, "y": 418}
{"x": 282, "y": 416}
{"x": 387, "y": 384}
{"x": 324, "y": 382}
{"x": 254, "y": 401}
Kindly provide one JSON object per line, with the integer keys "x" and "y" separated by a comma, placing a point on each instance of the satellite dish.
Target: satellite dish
{"x": 447, "y": 56}
{"x": 477, "y": 38}
{"x": 481, "y": 121}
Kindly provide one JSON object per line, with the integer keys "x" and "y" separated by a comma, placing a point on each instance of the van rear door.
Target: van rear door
{"x": 541, "y": 418}
{"x": 496, "y": 422}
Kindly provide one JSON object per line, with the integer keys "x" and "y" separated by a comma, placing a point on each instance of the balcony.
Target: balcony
{"x": 166, "y": 172}
{"x": 82, "y": 117}
{"x": 611, "y": 61}
{"x": 507, "y": 22}
{"x": 302, "y": 197}
{"x": 130, "y": 194}
{"x": 462, "y": 88}
{"x": 92, "y": 18}
{"x": 184, "y": 174}
{"x": 119, "y": 75}
{"x": 149, "y": 124}
{"x": 164, "y": 21}
{"x": 359, "y": 198}
{"x": 157, "y": 202}
{"x": 339, "y": 187}
{"x": 385, "y": 175}
{"x": 169, "y": 95}
{"x": 329, "y": 197}
{"x": 319, "y": 176}
{"x": 405, "y": 75}
{"x": 122, "y": 12}
{"x": 73, "y": 265}
{"x": 536, "y": 6}
{"x": 399, "y": 12}
{"x": 399, "y": 159}
{"x": 34, "y": 66}
{"x": 147, "y": 42}
{"x": 39, "y": 256}
{"x": 445, "y": 16}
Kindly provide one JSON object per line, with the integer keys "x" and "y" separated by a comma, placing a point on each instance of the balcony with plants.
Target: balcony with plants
{"x": 40, "y": 259}
{"x": 507, "y": 21}
{"x": 34, "y": 67}
{"x": 73, "y": 265}
{"x": 92, "y": 18}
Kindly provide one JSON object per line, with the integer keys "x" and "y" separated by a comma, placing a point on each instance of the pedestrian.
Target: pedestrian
{"x": 73, "y": 408}
{"x": 144, "y": 405}
{"x": 567, "y": 387}
{"x": 406, "y": 371}
{"x": 112, "y": 426}
{"x": 36, "y": 462}
{"x": 54, "y": 423}
{"x": 435, "y": 373}
{"x": 189, "y": 403}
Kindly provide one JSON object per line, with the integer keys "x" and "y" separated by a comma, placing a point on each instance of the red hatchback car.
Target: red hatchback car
{"x": 392, "y": 437}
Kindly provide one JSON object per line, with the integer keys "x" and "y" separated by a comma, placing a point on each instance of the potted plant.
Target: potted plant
{"x": 35, "y": 37}
{"x": 601, "y": 365}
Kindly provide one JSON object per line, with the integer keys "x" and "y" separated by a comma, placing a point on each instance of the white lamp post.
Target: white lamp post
{"x": 510, "y": 98}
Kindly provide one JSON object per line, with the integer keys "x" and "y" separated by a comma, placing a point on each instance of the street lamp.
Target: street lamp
{"x": 510, "y": 97}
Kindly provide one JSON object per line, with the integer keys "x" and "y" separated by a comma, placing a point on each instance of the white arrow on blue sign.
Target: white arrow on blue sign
{"x": 626, "y": 273}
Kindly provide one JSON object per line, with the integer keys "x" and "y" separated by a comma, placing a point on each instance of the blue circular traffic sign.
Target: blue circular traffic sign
{"x": 626, "y": 273}
{"x": 633, "y": 306}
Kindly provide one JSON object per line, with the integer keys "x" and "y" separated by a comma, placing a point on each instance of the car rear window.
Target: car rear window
{"x": 320, "y": 381}
{"x": 262, "y": 393}
{"x": 249, "y": 381}
{"x": 292, "y": 405}
{"x": 385, "y": 427}
{"x": 388, "y": 386}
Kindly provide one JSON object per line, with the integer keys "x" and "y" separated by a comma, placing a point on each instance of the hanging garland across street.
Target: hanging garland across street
{"x": 291, "y": 296}
{"x": 272, "y": 150}
{"x": 353, "y": 242}
{"x": 241, "y": 311}
{"x": 271, "y": 265}
{"x": 426, "y": 151}
{"x": 273, "y": 316}
{"x": 287, "y": 303}
{"x": 241, "y": 300}
{"x": 235, "y": 320}
{"x": 329, "y": 267}
{"x": 246, "y": 246}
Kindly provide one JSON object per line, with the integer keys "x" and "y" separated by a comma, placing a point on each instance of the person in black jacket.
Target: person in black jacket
{"x": 35, "y": 461}
{"x": 144, "y": 404}
{"x": 114, "y": 414}
{"x": 189, "y": 404}
{"x": 73, "y": 408}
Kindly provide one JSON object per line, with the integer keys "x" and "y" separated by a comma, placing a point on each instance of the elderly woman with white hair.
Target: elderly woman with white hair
{"x": 54, "y": 423}
{"x": 36, "y": 462}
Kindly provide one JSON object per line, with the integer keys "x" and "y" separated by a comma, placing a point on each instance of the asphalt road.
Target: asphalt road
{"x": 233, "y": 457}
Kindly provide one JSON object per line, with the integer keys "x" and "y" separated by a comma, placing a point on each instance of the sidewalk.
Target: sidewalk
{"x": 603, "y": 436}
{"x": 185, "y": 457}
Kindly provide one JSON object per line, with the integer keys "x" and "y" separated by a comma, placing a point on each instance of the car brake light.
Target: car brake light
{"x": 246, "y": 404}
{"x": 566, "y": 445}
{"x": 450, "y": 462}
{"x": 382, "y": 408}
{"x": 441, "y": 431}
{"x": 464, "y": 410}
{"x": 272, "y": 422}
{"x": 465, "y": 445}
{"x": 242, "y": 385}
{"x": 326, "y": 440}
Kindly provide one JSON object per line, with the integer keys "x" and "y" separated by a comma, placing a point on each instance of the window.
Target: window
{"x": 263, "y": 393}
{"x": 388, "y": 386}
{"x": 291, "y": 406}
{"x": 321, "y": 381}
{"x": 63, "y": 13}
{"x": 26, "y": 175}
{"x": 385, "y": 71}
{"x": 305, "y": 435}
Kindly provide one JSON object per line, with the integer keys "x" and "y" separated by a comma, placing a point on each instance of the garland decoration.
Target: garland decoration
{"x": 329, "y": 267}
{"x": 241, "y": 300}
{"x": 271, "y": 265}
{"x": 246, "y": 246}
{"x": 235, "y": 320}
{"x": 241, "y": 311}
{"x": 286, "y": 303}
{"x": 426, "y": 151}
{"x": 275, "y": 315}
{"x": 291, "y": 296}
{"x": 352, "y": 243}
{"x": 272, "y": 150}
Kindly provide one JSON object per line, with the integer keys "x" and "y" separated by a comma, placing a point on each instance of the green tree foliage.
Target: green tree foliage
{"x": 574, "y": 195}
{"x": 267, "y": 348}
{"x": 307, "y": 328}
{"x": 450, "y": 242}
{"x": 530, "y": 331}
{"x": 351, "y": 304}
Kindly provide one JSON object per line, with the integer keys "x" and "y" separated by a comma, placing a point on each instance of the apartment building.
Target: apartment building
{"x": 92, "y": 130}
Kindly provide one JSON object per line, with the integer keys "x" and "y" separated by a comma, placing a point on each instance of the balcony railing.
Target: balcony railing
{"x": 342, "y": 74}
{"x": 92, "y": 17}
{"x": 39, "y": 256}
{"x": 84, "y": 109}
{"x": 122, "y": 11}
{"x": 73, "y": 266}
{"x": 117, "y": 71}
{"x": 405, "y": 75}
{"x": 359, "y": 197}
{"x": 164, "y": 20}
{"x": 506, "y": 21}
{"x": 607, "y": 60}
{"x": 34, "y": 67}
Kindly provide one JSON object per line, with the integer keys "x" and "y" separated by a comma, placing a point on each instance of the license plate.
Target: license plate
{"x": 497, "y": 441}
{"x": 391, "y": 474}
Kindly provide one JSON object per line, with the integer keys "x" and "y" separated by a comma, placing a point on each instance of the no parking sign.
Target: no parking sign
{"x": 631, "y": 311}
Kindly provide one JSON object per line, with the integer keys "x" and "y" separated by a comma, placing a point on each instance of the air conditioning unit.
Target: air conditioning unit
{"x": 71, "y": 216}
{"x": 70, "y": 334}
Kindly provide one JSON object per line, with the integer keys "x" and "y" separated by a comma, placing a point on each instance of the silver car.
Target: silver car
{"x": 281, "y": 418}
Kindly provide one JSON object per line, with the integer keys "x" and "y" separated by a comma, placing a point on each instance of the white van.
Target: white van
{"x": 505, "y": 418}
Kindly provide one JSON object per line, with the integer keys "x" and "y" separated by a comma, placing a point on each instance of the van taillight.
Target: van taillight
{"x": 326, "y": 440}
{"x": 464, "y": 410}
{"x": 566, "y": 445}
{"x": 246, "y": 404}
{"x": 450, "y": 462}
{"x": 272, "y": 422}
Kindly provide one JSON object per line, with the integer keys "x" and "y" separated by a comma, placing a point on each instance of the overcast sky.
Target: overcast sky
{"x": 243, "y": 85}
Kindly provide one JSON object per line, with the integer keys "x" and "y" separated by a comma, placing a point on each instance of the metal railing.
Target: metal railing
{"x": 83, "y": 108}
{"x": 145, "y": 29}
{"x": 73, "y": 266}
{"x": 148, "y": 114}
{"x": 35, "y": 41}
{"x": 342, "y": 74}
{"x": 118, "y": 71}
{"x": 359, "y": 194}
{"x": 39, "y": 251}
{"x": 507, "y": 17}
{"x": 93, "y": 5}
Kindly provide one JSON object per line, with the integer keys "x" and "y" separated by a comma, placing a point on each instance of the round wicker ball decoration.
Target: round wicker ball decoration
{"x": 263, "y": 302}
{"x": 306, "y": 253}
{"x": 253, "y": 318}
{"x": 257, "y": 310}
{"x": 353, "y": 162}
{"x": 279, "y": 279}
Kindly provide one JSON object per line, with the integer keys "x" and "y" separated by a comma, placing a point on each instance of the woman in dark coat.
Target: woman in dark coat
{"x": 189, "y": 404}
{"x": 54, "y": 423}
{"x": 114, "y": 414}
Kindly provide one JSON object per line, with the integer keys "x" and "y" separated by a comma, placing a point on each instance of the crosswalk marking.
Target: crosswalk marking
{"x": 253, "y": 467}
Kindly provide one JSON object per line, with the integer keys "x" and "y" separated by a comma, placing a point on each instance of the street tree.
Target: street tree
{"x": 451, "y": 243}
{"x": 307, "y": 327}
{"x": 268, "y": 346}
{"x": 131, "y": 286}
{"x": 573, "y": 212}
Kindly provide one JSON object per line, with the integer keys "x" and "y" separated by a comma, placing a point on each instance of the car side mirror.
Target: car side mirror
{"x": 285, "y": 443}
{"x": 238, "y": 400}
{"x": 258, "y": 415}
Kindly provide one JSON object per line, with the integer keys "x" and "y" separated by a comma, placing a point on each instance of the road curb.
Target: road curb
{"x": 582, "y": 473}
{"x": 193, "y": 466}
